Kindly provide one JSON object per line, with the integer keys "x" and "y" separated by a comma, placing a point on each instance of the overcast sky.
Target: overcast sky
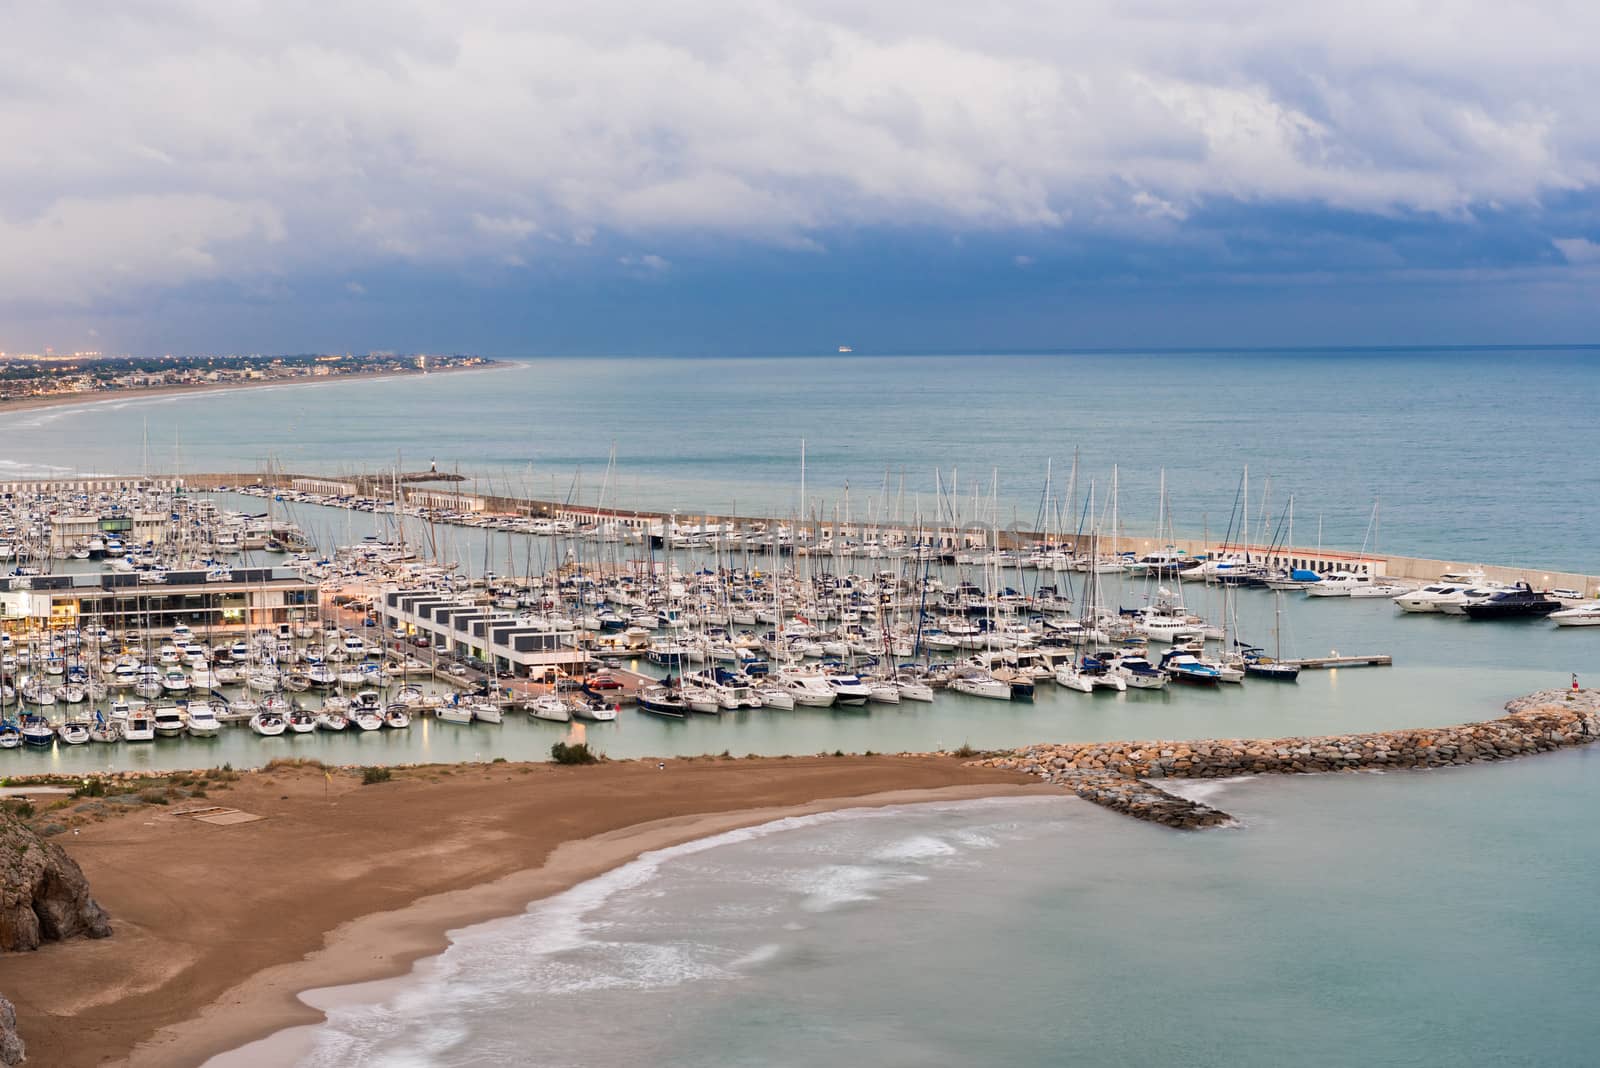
{"x": 788, "y": 176}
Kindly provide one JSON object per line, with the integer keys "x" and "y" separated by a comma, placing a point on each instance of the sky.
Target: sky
{"x": 756, "y": 176}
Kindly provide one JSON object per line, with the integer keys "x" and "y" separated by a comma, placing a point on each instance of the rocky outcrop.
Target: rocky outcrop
{"x": 1112, "y": 773}
{"x": 11, "y": 1048}
{"x": 43, "y": 894}
{"x": 1139, "y": 799}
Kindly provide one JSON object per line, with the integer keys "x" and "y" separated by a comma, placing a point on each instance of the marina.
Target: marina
{"x": 232, "y": 623}
{"x": 563, "y": 536}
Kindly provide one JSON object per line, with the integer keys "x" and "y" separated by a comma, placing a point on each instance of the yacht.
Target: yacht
{"x": 551, "y": 708}
{"x": 1298, "y": 578}
{"x": 665, "y": 701}
{"x": 484, "y": 710}
{"x": 882, "y": 691}
{"x": 454, "y": 711}
{"x": 773, "y": 695}
{"x": 1584, "y": 615}
{"x": 732, "y": 688}
{"x": 37, "y": 731}
{"x": 1519, "y": 602}
{"x": 1165, "y": 562}
{"x": 268, "y": 723}
{"x": 848, "y": 689}
{"x": 302, "y": 722}
{"x": 913, "y": 689}
{"x": 1457, "y": 605}
{"x": 202, "y": 721}
{"x": 1139, "y": 673}
{"x": 140, "y": 726}
{"x": 1339, "y": 584}
{"x": 976, "y": 683}
{"x": 808, "y": 690}
{"x": 594, "y": 709}
{"x": 1163, "y": 622}
{"x": 1432, "y": 597}
{"x": 700, "y": 699}
{"x": 366, "y": 718}
{"x": 331, "y": 719}
{"x": 1390, "y": 590}
{"x": 106, "y": 730}
{"x": 168, "y": 721}
{"x": 73, "y": 732}
{"x": 1186, "y": 667}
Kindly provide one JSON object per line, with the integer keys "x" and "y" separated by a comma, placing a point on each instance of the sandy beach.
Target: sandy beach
{"x": 219, "y": 928}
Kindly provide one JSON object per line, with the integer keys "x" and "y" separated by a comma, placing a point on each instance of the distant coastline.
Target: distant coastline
{"x": 104, "y": 396}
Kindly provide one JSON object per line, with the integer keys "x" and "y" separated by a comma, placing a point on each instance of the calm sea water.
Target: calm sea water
{"x": 1411, "y": 919}
{"x": 1406, "y": 919}
{"x": 1473, "y": 455}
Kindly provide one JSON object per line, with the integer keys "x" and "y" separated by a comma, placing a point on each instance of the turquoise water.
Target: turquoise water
{"x": 1475, "y": 455}
{"x": 1413, "y": 919}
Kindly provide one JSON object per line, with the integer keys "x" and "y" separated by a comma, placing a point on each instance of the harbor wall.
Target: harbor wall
{"x": 1106, "y": 772}
{"x": 1553, "y": 725}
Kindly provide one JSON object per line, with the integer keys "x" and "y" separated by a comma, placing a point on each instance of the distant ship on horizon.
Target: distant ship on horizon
{"x": 846, "y": 348}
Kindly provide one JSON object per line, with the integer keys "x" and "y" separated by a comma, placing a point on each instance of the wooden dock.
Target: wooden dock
{"x": 1314, "y": 662}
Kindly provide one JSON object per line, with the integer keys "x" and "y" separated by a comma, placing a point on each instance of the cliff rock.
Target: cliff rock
{"x": 43, "y": 894}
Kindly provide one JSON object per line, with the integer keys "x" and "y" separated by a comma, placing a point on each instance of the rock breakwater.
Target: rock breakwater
{"x": 1112, "y": 774}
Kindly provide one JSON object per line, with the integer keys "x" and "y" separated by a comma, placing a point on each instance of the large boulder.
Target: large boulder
{"x": 11, "y": 1048}
{"x": 43, "y": 894}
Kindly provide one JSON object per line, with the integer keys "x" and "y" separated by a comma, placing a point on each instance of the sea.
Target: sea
{"x": 1423, "y": 918}
{"x": 1480, "y": 455}
{"x": 1430, "y": 919}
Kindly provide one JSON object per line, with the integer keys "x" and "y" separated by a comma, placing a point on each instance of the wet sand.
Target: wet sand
{"x": 219, "y": 928}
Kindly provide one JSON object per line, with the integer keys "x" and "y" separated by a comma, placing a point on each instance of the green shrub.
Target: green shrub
{"x": 91, "y": 788}
{"x": 966, "y": 751}
{"x": 374, "y": 775}
{"x": 292, "y": 762}
{"x": 577, "y": 753}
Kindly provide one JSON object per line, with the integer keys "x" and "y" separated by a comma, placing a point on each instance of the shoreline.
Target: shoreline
{"x": 268, "y": 1019}
{"x": 105, "y": 396}
{"x": 218, "y": 929}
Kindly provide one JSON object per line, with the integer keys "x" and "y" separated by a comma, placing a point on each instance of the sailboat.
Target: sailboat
{"x": 1259, "y": 666}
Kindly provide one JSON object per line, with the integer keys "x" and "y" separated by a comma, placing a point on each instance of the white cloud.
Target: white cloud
{"x": 1578, "y": 250}
{"x": 355, "y": 289}
{"x": 648, "y": 262}
{"x": 78, "y": 250}
{"x": 184, "y": 142}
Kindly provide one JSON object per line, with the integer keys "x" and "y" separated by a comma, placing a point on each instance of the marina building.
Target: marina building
{"x": 515, "y": 645}
{"x": 143, "y": 528}
{"x": 216, "y": 601}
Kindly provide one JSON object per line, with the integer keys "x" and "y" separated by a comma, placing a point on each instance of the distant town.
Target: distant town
{"x": 31, "y": 376}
